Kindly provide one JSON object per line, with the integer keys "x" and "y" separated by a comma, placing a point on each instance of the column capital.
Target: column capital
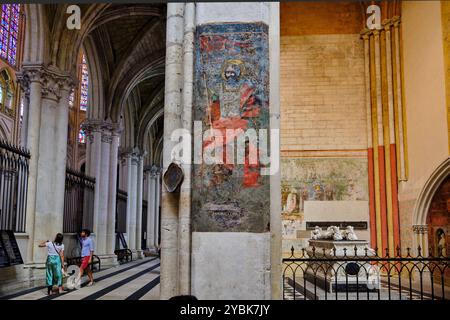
{"x": 420, "y": 228}
{"x": 103, "y": 126}
{"x": 396, "y": 21}
{"x": 365, "y": 33}
{"x": 134, "y": 154}
{"x": 386, "y": 24}
{"x": 53, "y": 81}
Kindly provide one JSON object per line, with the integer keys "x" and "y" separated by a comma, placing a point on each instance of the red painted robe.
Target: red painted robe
{"x": 249, "y": 108}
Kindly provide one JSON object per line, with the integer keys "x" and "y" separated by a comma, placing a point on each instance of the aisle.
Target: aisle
{"x": 137, "y": 280}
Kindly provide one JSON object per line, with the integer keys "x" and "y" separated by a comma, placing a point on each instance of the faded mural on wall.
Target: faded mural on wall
{"x": 319, "y": 179}
{"x": 231, "y": 92}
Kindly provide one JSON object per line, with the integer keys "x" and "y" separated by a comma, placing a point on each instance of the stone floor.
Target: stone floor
{"x": 137, "y": 280}
{"x": 386, "y": 292}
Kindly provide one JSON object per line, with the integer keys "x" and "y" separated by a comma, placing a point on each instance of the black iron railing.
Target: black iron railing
{"x": 78, "y": 202}
{"x": 360, "y": 274}
{"x": 121, "y": 211}
{"x": 13, "y": 186}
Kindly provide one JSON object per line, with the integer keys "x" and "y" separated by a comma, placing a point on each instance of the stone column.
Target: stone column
{"x": 25, "y": 118}
{"x": 139, "y": 198}
{"x": 151, "y": 209}
{"x": 157, "y": 206}
{"x": 94, "y": 135}
{"x": 111, "y": 227}
{"x": 132, "y": 167}
{"x": 237, "y": 237}
{"x": 172, "y": 121}
{"x": 103, "y": 150}
{"x": 62, "y": 122}
{"x": 47, "y": 141}
{"x": 30, "y": 80}
{"x": 275, "y": 290}
{"x": 184, "y": 222}
{"x": 103, "y": 190}
{"x": 399, "y": 101}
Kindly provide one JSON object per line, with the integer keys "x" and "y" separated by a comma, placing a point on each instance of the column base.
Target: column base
{"x": 137, "y": 254}
{"x": 108, "y": 260}
{"x": 151, "y": 252}
{"x": 20, "y": 277}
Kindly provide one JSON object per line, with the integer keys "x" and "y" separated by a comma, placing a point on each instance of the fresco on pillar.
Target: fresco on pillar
{"x": 231, "y": 100}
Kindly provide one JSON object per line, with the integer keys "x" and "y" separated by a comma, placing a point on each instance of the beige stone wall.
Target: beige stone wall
{"x": 445, "y": 9}
{"x": 424, "y": 97}
{"x": 323, "y": 115}
{"x": 322, "y": 92}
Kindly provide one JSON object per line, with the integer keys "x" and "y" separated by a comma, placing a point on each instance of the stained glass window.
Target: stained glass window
{"x": 21, "y": 111}
{"x": 82, "y": 136}
{"x": 84, "y": 85}
{"x": 72, "y": 98}
{"x": 9, "y": 32}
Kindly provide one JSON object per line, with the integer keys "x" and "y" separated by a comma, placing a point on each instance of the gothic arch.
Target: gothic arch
{"x": 426, "y": 195}
{"x": 422, "y": 206}
{"x": 96, "y": 69}
{"x": 36, "y": 48}
{"x": 66, "y": 43}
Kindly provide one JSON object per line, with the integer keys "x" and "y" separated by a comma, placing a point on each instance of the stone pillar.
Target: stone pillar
{"x": 151, "y": 209}
{"x": 94, "y": 139}
{"x": 47, "y": 141}
{"x": 132, "y": 168}
{"x": 184, "y": 220}
{"x": 25, "y": 115}
{"x": 157, "y": 206}
{"x": 31, "y": 80}
{"x": 172, "y": 121}
{"x": 103, "y": 189}
{"x": 111, "y": 228}
{"x": 139, "y": 198}
{"x": 103, "y": 150}
{"x": 398, "y": 75}
{"x": 275, "y": 178}
{"x": 236, "y": 237}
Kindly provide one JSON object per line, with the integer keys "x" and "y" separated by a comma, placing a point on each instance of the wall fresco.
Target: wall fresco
{"x": 231, "y": 92}
{"x": 317, "y": 179}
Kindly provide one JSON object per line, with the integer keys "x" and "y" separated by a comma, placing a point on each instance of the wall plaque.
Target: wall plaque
{"x": 9, "y": 250}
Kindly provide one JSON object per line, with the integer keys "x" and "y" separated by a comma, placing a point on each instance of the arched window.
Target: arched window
{"x": 7, "y": 90}
{"x": 84, "y": 85}
{"x": 81, "y": 136}
{"x": 72, "y": 98}
{"x": 9, "y": 32}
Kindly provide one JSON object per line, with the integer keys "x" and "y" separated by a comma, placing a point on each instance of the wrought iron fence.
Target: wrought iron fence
{"x": 13, "y": 186}
{"x": 121, "y": 211}
{"x": 78, "y": 202}
{"x": 361, "y": 274}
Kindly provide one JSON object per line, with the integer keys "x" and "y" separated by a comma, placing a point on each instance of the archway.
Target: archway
{"x": 423, "y": 204}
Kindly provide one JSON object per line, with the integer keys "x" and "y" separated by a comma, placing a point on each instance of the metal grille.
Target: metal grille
{"x": 13, "y": 186}
{"x": 78, "y": 202}
{"x": 314, "y": 274}
{"x": 121, "y": 212}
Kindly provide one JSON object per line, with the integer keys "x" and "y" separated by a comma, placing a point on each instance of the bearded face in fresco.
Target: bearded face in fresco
{"x": 232, "y": 72}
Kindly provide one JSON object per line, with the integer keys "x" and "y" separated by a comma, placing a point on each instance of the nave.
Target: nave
{"x": 136, "y": 280}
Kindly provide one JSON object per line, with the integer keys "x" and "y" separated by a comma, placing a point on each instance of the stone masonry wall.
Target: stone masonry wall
{"x": 322, "y": 93}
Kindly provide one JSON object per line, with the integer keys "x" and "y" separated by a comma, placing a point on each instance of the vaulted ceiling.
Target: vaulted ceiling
{"x": 129, "y": 40}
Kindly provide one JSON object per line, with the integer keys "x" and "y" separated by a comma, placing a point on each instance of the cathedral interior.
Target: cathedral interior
{"x": 91, "y": 94}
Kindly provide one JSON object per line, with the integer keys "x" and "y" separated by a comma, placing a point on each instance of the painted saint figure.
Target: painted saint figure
{"x": 233, "y": 105}
{"x": 291, "y": 203}
{"x": 441, "y": 243}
